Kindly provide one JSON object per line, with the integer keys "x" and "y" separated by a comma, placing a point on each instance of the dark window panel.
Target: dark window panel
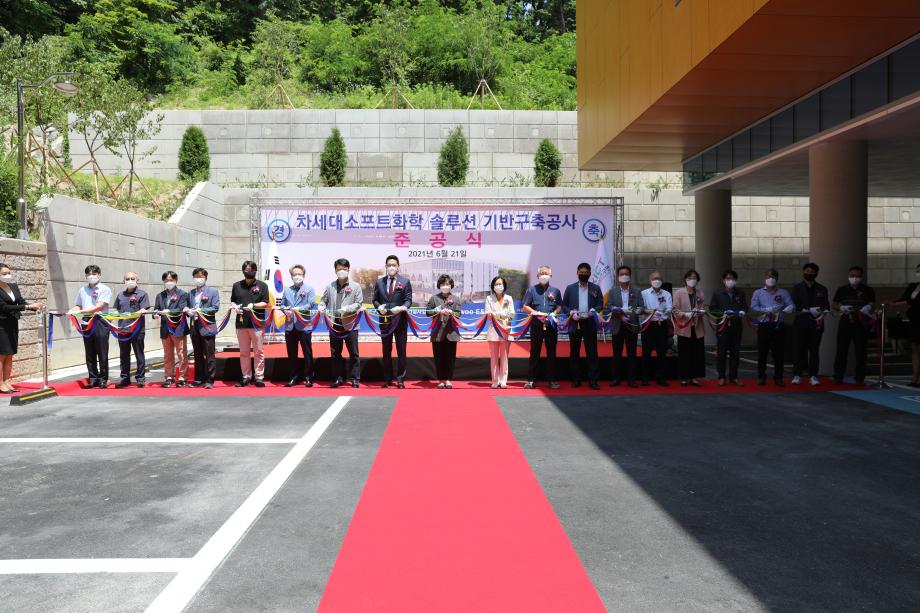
{"x": 905, "y": 71}
{"x": 710, "y": 161}
{"x": 760, "y": 139}
{"x": 807, "y": 117}
{"x": 724, "y": 156}
{"x": 835, "y": 104}
{"x": 870, "y": 87}
{"x": 781, "y": 130}
{"x": 741, "y": 148}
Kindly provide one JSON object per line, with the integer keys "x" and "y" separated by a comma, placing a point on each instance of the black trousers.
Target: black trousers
{"x": 807, "y": 351}
{"x": 584, "y": 331}
{"x": 136, "y": 345}
{"x": 771, "y": 339}
{"x": 292, "y": 339}
{"x": 354, "y": 359}
{"x": 539, "y": 337}
{"x": 851, "y": 332}
{"x": 400, "y": 337}
{"x": 205, "y": 362}
{"x": 630, "y": 340}
{"x": 96, "y": 349}
{"x": 445, "y": 356}
{"x": 655, "y": 338}
{"x": 691, "y": 356}
{"x": 728, "y": 345}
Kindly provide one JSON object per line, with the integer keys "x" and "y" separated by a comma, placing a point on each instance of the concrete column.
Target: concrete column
{"x": 838, "y": 186}
{"x": 713, "y": 227}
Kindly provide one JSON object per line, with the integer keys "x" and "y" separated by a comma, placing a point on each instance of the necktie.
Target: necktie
{"x": 390, "y": 291}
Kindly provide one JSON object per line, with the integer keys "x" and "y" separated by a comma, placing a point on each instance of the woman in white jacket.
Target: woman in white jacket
{"x": 501, "y": 307}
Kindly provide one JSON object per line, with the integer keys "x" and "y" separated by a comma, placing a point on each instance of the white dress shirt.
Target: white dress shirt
{"x": 659, "y": 300}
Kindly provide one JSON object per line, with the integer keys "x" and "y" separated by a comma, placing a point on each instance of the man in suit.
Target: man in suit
{"x": 624, "y": 301}
{"x": 583, "y": 301}
{"x": 203, "y": 302}
{"x": 344, "y": 299}
{"x": 392, "y": 296}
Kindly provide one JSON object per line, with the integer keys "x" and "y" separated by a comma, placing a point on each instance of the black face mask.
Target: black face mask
{"x": 809, "y": 277}
{"x": 249, "y": 274}
{"x": 584, "y": 277}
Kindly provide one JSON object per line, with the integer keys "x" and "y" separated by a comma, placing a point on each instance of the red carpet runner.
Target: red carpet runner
{"x": 452, "y": 518}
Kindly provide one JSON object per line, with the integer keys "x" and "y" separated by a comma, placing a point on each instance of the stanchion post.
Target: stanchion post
{"x": 44, "y": 316}
{"x": 883, "y": 324}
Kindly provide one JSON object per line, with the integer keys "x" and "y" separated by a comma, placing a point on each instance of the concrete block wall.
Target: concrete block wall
{"x": 29, "y": 263}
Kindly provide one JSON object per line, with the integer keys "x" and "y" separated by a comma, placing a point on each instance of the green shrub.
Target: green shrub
{"x": 9, "y": 192}
{"x": 454, "y": 160}
{"x": 333, "y": 160}
{"x": 547, "y": 164}
{"x": 194, "y": 159}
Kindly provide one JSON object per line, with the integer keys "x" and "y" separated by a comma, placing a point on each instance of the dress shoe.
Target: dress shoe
{"x": 385, "y": 385}
{"x": 400, "y": 385}
{"x": 141, "y": 384}
{"x": 208, "y": 385}
{"x": 615, "y": 383}
{"x": 103, "y": 384}
{"x": 168, "y": 382}
{"x": 260, "y": 383}
{"x": 308, "y": 383}
{"x": 633, "y": 384}
{"x": 292, "y": 382}
{"x": 194, "y": 384}
{"x": 737, "y": 383}
{"x": 181, "y": 383}
{"x": 337, "y": 383}
{"x": 242, "y": 383}
{"x": 593, "y": 385}
{"x": 122, "y": 384}
{"x": 553, "y": 385}
{"x": 721, "y": 382}
{"x": 576, "y": 383}
{"x": 530, "y": 385}
{"x": 355, "y": 384}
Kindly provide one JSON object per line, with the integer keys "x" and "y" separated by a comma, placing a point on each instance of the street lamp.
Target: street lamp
{"x": 61, "y": 82}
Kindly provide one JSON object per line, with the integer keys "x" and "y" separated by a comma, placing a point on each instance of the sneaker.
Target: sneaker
{"x": 180, "y": 383}
{"x": 815, "y": 381}
{"x": 168, "y": 382}
{"x": 529, "y": 385}
{"x": 796, "y": 380}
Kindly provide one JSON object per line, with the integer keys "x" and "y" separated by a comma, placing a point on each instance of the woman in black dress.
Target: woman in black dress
{"x": 12, "y": 305}
{"x": 911, "y": 297}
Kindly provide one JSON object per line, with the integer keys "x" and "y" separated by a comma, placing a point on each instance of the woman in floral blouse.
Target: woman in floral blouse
{"x": 444, "y": 339}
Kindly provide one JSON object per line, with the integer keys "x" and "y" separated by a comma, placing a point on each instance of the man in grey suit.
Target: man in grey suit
{"x": 342, "y": 300}
{"x": 392, "y": 296}
{"x": 626, "y": 297}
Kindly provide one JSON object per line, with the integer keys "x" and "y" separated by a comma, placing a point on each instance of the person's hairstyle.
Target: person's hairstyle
{"x": 92, "y": 269}
{"x": 131, "y": 272}
{"x": 297, "y": 267}
{"x": 656, "y": 272}
{"x": 200, "y": 271}
{"x": 391, "y": 257}
{"x": 771, "y": 272}
{"x": 341, "y": 262}
{"x": 445, "y": 279}
{"x": 584, "y": 265}
{"x": 545, "y": 267}
{"x": 730, "y": 273}
{"x": 812, "y": 265}
{"x": 622, "y": 267}
{"x": 692, "y": 272}
{"x": 3, "y": 265}
{"x": 170, "y": 274}
{"x": 249, "y": 264}
{"x": 495, "y": 279}
{"x": 857, "y": 267}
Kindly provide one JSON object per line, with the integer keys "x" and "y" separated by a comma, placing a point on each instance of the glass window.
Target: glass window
{"x": 905, "y": 71}
{"x": 760, "y": 139}
{"x": 870, "y": 87}
{"x": 807, "y": 117}
{"x": 710, "y": 161}
{"x": 781, "y": 130}
{"x": 724, "y": 156}
{"x": 741, "y": 148}
{"x": 835, "y": 104}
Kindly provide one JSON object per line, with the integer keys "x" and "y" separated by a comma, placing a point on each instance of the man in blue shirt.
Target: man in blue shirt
{"x": 301, "y": 297}
{"x": 543, "y": 299}
{"x": 658, "y": 302}
{"x": 769, "y": 304}
{"x": 94, "y": 297}
{"x": 132, "y": 300}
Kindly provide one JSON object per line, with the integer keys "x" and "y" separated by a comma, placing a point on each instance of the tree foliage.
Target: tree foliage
{"x": 333, "y": 160}
{"x": 194, "y": 159}
{"x": 454, "y": 160}
{"x": 547, "y": 164}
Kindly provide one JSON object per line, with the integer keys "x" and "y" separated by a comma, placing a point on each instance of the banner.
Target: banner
{"x": 472, "y": 245}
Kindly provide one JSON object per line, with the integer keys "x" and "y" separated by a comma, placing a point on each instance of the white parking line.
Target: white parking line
{"x": 93, "y": 565}
{"x": 173, "y": 440}
{"x": 183, "y": 587}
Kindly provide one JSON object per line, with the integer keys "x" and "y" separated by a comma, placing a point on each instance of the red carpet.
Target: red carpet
{"x": 453, "y": 519}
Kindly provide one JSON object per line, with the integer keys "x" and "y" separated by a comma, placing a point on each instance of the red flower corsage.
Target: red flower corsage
{"x": 256, "y": 289}
{"x": 95, "y": 294}
{"x": 173, "y": 298}
{"x": 450, "y": 301}
{"x": 399, "y": 286}
{"x": 204, "y": 298}
{"x": 348, "y": 290}
{"x": 302, "y": 293}
{"x": 777, "y": 299}
{"x": 551, "y": 297}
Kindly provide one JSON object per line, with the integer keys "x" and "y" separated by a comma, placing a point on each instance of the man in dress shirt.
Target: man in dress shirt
{"x": 301, "y": 297}
{"x": 624, "y": 298}
{"x": 344, "y": 298}
{"x": 582, "y": 301}
{"x": 545, "y": 299}
{"x": 770, "y": 303}
{"x": 94, "y": 297}
{"x": 392, "y": 296}
{"x": 132, "y": 300}
{"x": 655, "y": 337}
{"x": 855, "y": 300}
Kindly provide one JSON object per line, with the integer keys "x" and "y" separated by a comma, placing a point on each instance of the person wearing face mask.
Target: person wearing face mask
{"x": 249, "y": 293}
{"x": 500, "y": 306}
{"x": 729, "y": 300}
{"x": 170, "y": 302}
{"x": 691, "y": 356}
{"x": 203, "y": 303}
{"x": 772, "y": 303}
{"x": 445, "y": 338}
{"x": 811, "y": 299}
{"x": 911, "y": 298}
{"x": 299, "y": 296}
{"x": 12, "y": 305}
{"x": 658, "y": 302}
{"x": 544, "y": 299}
{"x": 392, "y": 296}
{"x": 855, "y": 300}
{"x": 581, "y": 301}
{"x": 95, "y": 297}
{"x": 627, "y": 298}
{"x": 344, "y": 298}
{"x": 132, "y": 299}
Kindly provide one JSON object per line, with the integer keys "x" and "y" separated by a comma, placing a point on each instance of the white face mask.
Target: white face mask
{"x": 656, "y": 283}
{"x": 770, "y": 282}
{"x": 730, "y": 283}
{"x": 691, "y": 282}
{"x": 130, "y": 284}
{"x": 391, "y": 270}
{"x": 543, "y": 279}
{"x": 199, "y": 281}
{"x": 169, "y": 285}
{"x": 92, "y": 279}
{"x": 855, "y": 280}
{"x": 341, "y": 274}
{"x": 624, "y": 278}
{"x": 918, "y": 275}
{"x": 499, "y": 288}
{"x": 298, "y": 279}
{"x": 445, "y": 289}
{"x": 7, "y": 278}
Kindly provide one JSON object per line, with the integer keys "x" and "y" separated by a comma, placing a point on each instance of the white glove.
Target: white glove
{"x": 845, "y": 308}
{"x": 321, "y": 307}
{"x": 789, "y": 309}
{"x": 383, "y": 310}
{"x": 913, "y": 296}
{"x": 866, "y": 309}
{"x": 249, "y": 306}
{"x": 236, "y": 308}
{"x": 740, "y": 313}
{"x": 399, "y": 309}
{"x": 353, "y": 308}
{"x": 815, "y": 311}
